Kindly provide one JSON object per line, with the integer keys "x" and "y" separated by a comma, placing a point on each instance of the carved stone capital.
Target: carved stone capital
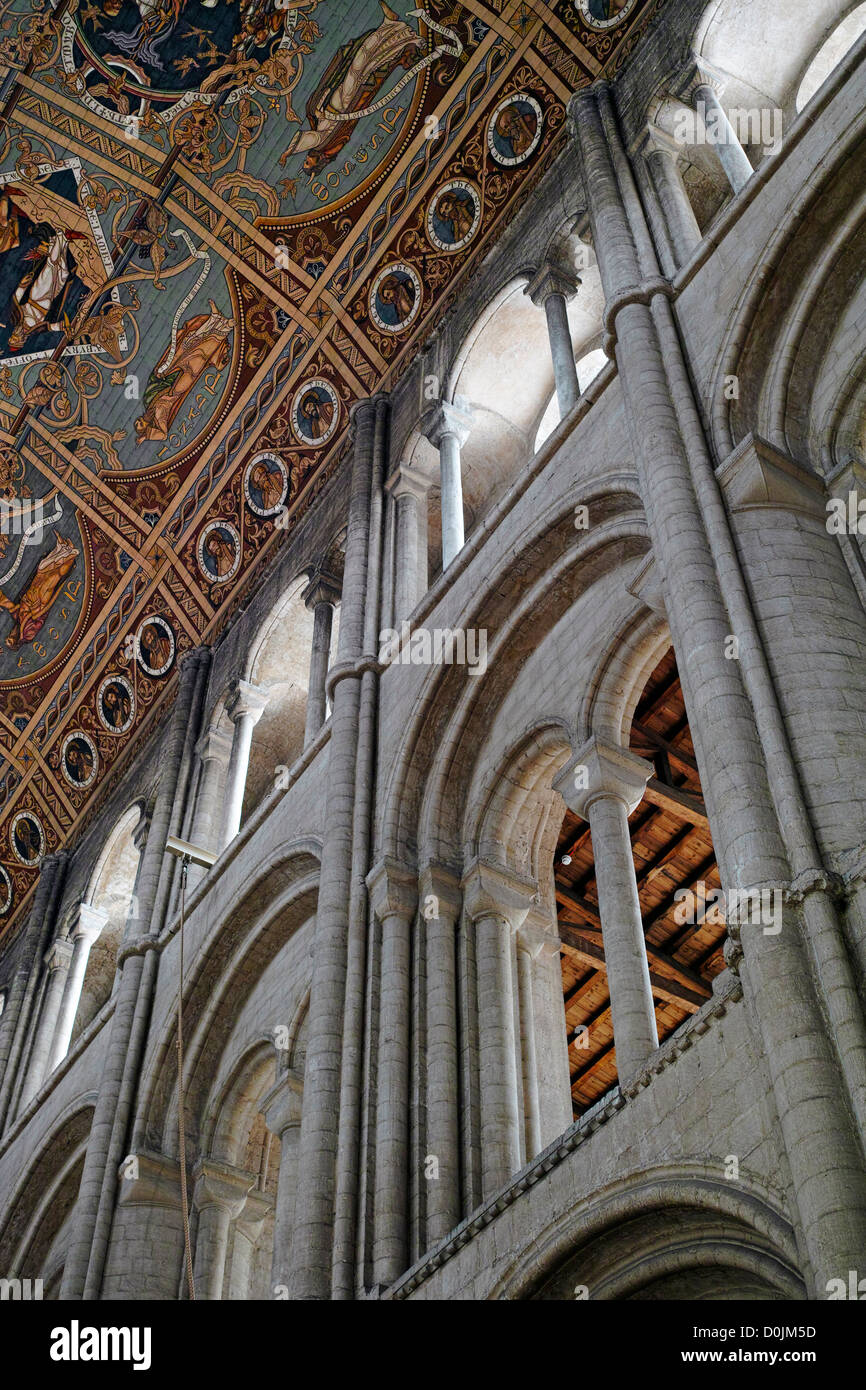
{"x": 323, "y": 587}
{"x": 220, "y": 1185}
{"x": 149, "y": 1180}
{"x": 447, "y": 417}
{"x": 214, "y": 746}
{"x": 489, "y": 890}
{"x": 255, "y": 1210}
{"x": 88, "y": 924}
{"x": 552, "y": 279}
{"x": 393, "y": 890}
{"x": 408, "y": 482}
{"x": 59, "y": 955}
{"x": 756, "y": 475}
{"x": 600, "y": 770}
{"x": 439, "y": 889}
{"x": 246, "y": 700}
{"x": 283, "y": 1104}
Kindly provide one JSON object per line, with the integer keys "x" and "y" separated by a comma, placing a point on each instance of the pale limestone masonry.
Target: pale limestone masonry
{"x": 377, "y": 1098}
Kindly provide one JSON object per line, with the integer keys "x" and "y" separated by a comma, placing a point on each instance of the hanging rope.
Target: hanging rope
{"x": 181, "y": 1101}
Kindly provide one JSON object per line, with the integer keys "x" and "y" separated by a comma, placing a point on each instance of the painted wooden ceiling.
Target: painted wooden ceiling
{"x": 221, "y": 223}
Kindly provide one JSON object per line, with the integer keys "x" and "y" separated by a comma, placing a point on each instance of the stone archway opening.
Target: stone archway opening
{"x": 677, "y": 881}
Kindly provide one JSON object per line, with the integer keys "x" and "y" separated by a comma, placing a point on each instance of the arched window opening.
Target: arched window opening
{"x": 830, "y": 55}
{"x": 280, "y": 670}
{"x": 677, "y": 878}
{"x": 588, "y": 368}
{"x": 110, "y": 894}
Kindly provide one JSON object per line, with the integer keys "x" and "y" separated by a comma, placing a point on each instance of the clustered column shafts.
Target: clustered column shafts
{"x": 137, "y": 968}
{"x": 810, "y": 1098}
{"x": 317, "y": 1178}
{"x": 17, "y": 1015}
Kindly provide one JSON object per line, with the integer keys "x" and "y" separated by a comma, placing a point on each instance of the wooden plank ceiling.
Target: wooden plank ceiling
{"x": 672, "y": 849}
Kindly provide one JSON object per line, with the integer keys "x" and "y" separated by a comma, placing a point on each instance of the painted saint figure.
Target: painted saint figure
{"x": 201, "y": 343}
{"x": 116, "y": 705}
{"x": 400, "y": 294}
{"x": 221, "y": 553}
{"x": 517, "y": 127}
{"x": 155, "y": 645}
{"x": 31, "y": 609}
{"x": 353, "y": 78}
{"x": 269, "y": 484}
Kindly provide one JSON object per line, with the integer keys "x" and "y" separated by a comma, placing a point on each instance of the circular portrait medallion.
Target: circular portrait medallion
{"x": 5, "y": 892}
{"x": 605, "y": 14}
{"x": 219, "y": 552}
{"x": 266, "y": 484}
{"x": 28, "y": 838}
{"x": 395, "y": 298}
{"x": 515, "y": 129}
{"x": 154, "y": 646}
{"x": 315, "y": 412}
{"x": 454, "y": 215}
{"x": 79, "y": 759}
{"x": 115, "y": 704}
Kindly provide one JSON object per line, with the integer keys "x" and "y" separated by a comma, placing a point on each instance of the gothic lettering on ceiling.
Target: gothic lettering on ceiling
{"x": 221, "y": 223}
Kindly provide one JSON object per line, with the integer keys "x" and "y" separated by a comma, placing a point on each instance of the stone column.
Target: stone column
{"x": 533, "y": 941}
{"x": 136, "y": 982}
{"x": 704, "y": 589}
{"x": 245, "y": 709}
{"x": 245, "y": 1234}
{"x": 393, "y": 897}
{"x": 220, "y": 1196}
{"x": 552, "y": 287}
{"x": 282, "y": 1107}
{"x": 408, "y": 490}
{"x": 214, "y": 750}
{"x": 447, "y": 427}
{"x": 147, "y": 1248}
{"x": 721, "y": 135}
{"x": 90, "y": 923}
{"x": 321, "y": 596}
{"x": 602, "y": 784}
{"x": 662, "y": 161}
{"x": 440, "y": 914}
{"x": 497, "y": 903}
{"x": 15, "y": 1024}
{"x": 58, "y": 960}
{"x": 338, "y": 972}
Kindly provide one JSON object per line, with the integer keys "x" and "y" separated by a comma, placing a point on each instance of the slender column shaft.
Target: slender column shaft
{"x": 323, "y": 618}
{"x": 451, "y": 484}
{"x": 631, "y": 1001}
{"x": 284, "y": 1219}
{"x": 443, "y": 1136}
{"x": 58, "y": 962}
{"x": 564, "y": 365}
{"x": 500, "y": 1113}
{"x": 211, "y": 1248}
{"x": 245, "y": 710}
{"x": 89, "y": 925}
{"x": 682, "y": 225}
{"x": 531, "y": 1101}
{"x": 392, "y": 1110}
{"x": 214, "y": 749}
{"x": 732, "y": 156}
